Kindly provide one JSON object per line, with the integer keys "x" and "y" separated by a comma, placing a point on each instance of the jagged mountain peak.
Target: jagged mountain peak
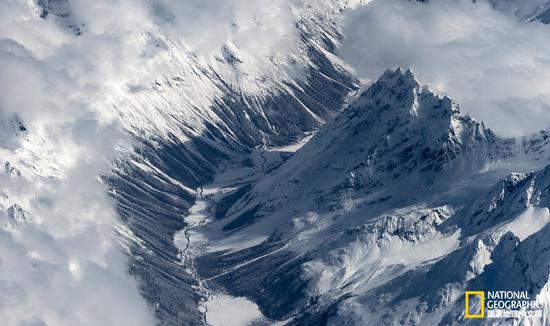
{"x": 396, "y": 134}
{"x": 397, "y": 123}
{"x": 397, "y": 98}
{"x": 508, "y": 199}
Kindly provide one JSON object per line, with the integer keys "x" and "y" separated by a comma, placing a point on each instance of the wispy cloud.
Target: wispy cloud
{"x": 492, "y": 63}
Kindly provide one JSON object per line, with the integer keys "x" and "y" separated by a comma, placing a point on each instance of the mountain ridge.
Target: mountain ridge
{"x": 376, "y": 227}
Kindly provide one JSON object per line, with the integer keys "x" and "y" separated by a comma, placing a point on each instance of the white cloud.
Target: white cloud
{"x": 255, "y": 28}
{"x": 63, "y": 266}
{"x": 494, "y": 65}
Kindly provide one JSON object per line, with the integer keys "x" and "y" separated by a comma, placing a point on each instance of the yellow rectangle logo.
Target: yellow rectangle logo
{"x": 481, "y": 295}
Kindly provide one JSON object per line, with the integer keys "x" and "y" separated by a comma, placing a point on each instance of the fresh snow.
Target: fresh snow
{"x": 225, "y": 310}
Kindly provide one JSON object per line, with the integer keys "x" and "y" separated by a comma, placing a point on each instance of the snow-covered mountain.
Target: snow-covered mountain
{"x": 124, "y": 82}
{"x": 387, "y": 215}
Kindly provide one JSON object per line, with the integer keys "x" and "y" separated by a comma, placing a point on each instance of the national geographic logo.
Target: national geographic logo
{"x": 500, "y": 304}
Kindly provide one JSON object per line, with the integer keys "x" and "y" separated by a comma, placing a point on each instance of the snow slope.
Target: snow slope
{"x": 385, "y": 216}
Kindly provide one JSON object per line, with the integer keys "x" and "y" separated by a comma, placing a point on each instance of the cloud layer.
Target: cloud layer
{"x": 60, "y": 263}
{"x": 493, "y": 64}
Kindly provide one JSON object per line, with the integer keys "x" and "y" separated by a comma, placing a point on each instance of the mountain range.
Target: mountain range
{"x": 386, "y": 216}
{"x": 286, "y": 187}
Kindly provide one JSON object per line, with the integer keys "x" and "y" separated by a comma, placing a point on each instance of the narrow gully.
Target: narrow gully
{"x": 187, "y": 258}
